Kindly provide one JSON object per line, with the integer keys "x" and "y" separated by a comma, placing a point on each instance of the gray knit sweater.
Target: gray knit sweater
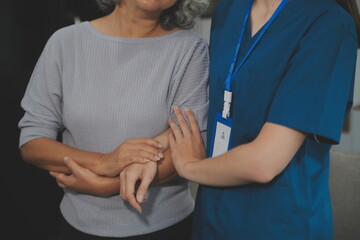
{"x": 98, "y": 91}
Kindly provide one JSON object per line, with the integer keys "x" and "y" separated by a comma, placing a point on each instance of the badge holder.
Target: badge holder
{"x": 221, "y": 136}
{"x": 222, "y": 130}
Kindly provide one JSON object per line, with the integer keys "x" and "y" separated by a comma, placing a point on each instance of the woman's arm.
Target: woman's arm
{"x": 166, "y": 171}
{"x": 49, "y": 154}
{"x": 259, "y": 161}
{"x": 84, "y": 180}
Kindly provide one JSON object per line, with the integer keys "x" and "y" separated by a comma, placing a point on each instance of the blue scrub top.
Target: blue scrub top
{"x": 300, "y": 75}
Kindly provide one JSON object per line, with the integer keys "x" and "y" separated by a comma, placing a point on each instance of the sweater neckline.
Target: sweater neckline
{"x": 123, "y": 39}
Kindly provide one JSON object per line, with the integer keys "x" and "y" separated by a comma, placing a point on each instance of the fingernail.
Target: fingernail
{"x": 157, "y": 158}
{"x": 140, "y": 198}
{"x": 187, "y": 109}
{"x": 161, "y": 155}
{"x": 139, "y": 210}
{"x": 66, "y": 159}
{"x": 146, "y": 160}
{"x": 160, "y": 146}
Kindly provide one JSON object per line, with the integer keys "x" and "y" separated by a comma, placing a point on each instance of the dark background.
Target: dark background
{"x": 30, "y": 198}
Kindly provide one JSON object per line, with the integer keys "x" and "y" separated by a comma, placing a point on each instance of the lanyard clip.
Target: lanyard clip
{"x": 227, "y": 104}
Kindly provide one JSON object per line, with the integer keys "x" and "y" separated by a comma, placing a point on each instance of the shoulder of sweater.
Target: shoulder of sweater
{"x": 192, "y": 34}
{"x": 191, "y": 39}
{"x": 66, "y": 32}
{"x": 70, "y": 34}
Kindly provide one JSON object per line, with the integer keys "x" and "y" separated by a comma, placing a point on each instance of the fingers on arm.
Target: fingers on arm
{"x": 72, "y": 165}
{"x": 144, "y": 150}
{"x": 175, "y": 130}
{"x": 172, "y": 140}
{"x": 148, "y": 152}
{"x": 62, "y": 180}
{"x": 146, "y": 180}
{"x": 131, "y": 180}
{"x": 149, "y": 141}
{"x": 184, "y": 128}
{"x": 182, "y": 122}
{"x": 194, "y": 126}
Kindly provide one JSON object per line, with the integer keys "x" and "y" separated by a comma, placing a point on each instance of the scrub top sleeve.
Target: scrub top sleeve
{"x": 315, "y": 94}
{"x": 192, "y": 88}
{"x": 43, "y": 97}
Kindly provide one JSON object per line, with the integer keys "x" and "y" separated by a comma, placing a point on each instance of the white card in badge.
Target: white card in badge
{"x": 221, "y": 136}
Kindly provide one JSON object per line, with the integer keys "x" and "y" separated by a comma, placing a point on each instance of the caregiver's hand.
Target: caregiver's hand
{"x": 129, "y": 178}
{"x": 139, "y": 150}
{"x": 186, "y": 143}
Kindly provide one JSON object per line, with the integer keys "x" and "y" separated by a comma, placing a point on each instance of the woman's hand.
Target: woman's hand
{"x": 84, "y": 180}
{"x": 139, "y": 150}
{"x": 129, "y": 178}
{"x": 186, "y": 143}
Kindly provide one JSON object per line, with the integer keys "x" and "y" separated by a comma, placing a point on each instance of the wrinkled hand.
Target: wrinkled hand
{"x": 186, "y": 143}
{"x": 139, "y": 150}
{"x": 129, "y": 178}
{"x": 81, "y": 179}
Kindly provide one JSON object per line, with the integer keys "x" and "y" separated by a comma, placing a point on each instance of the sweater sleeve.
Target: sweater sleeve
{"x": 192, "y": 89}
{"x": 43, "y": 97}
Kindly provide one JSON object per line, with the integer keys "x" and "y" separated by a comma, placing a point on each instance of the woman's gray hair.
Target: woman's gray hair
{"x": 181, "y": 15}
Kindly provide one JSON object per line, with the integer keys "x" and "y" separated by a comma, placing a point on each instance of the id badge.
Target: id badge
{"x": 221, "y": 137}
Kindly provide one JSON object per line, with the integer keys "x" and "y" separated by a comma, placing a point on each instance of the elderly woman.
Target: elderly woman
{"x": 108, "y": 87}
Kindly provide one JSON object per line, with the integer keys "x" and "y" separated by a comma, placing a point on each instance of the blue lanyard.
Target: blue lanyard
{"x": 232, "y": 73}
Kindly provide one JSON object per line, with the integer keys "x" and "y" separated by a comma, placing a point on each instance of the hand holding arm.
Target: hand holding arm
{"x": 186, "y": 142}
{"x": 84, "y": 180}
{"x": 49, "y": 154}
{"x": 129, "y": 178}
{"x": 139, "y": 150}
{"x": 148, "y": 174}
{"x": 258, "y": 161}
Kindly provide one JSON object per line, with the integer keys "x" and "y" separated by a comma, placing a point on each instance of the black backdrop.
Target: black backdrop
{"x": 29, "y": 197}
